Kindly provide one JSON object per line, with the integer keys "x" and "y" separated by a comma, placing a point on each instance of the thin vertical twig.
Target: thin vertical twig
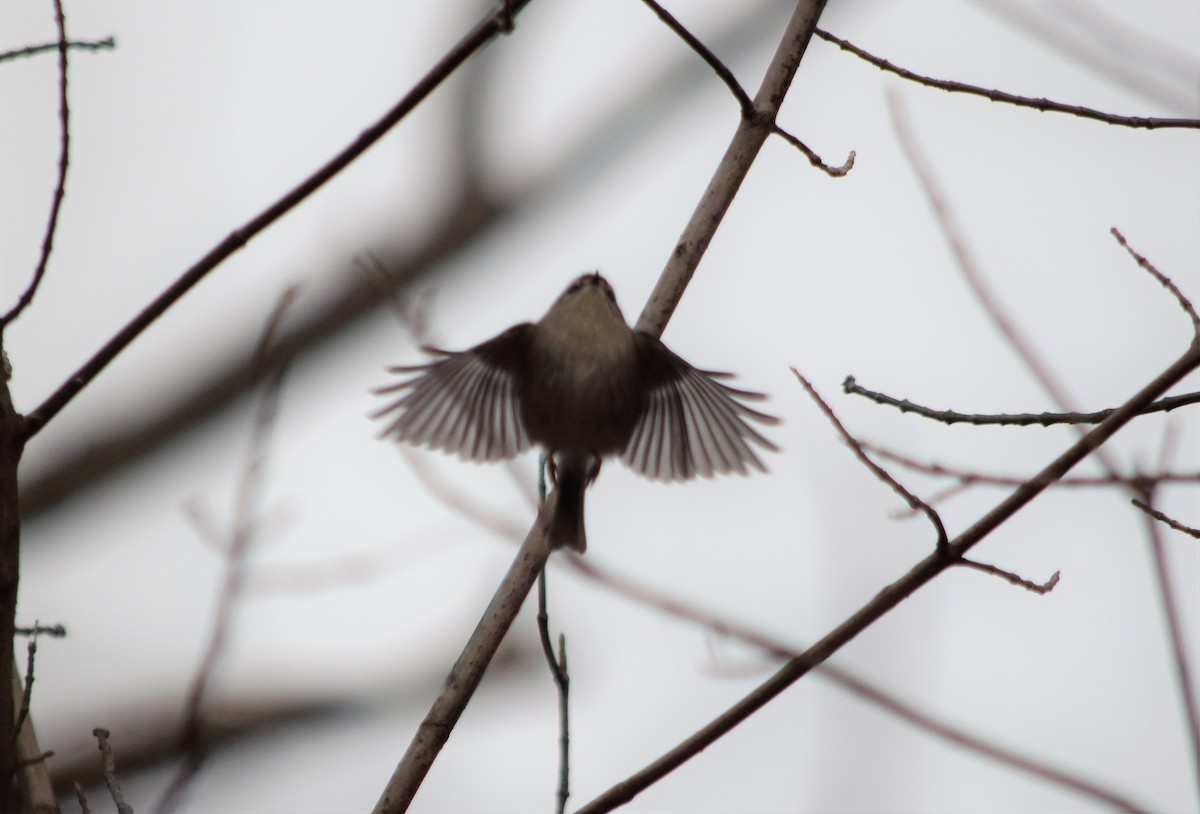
{"x": 1179, "y": 655}
{"x": 110, "y": 771}
{"x": 64, "y": 154}
{"x": 562, "y": 682}
{"x": 241, "y": 538}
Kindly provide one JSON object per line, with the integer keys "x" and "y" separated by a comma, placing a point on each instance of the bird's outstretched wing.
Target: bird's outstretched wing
{"x": 692, "y": 424}
{"x": 465, "y": 403}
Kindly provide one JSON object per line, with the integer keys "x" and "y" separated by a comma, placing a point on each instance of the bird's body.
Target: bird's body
{"x": 584, "y": 386}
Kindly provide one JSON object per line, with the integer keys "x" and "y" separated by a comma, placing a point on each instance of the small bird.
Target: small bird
{"x": 583, "y": 385}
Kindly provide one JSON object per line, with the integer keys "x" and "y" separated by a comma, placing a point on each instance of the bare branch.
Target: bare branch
{"x": 35, "y": 787}
{"x": 914, "y": 502}
{"x": 60, "y": 188}
{"x": 722, "y": 70}
{"x": 1180, "y": 660}
{"x": 850, "y": 386}
{"x": 1166, "y": 281}
{"x": 1044, "y": 105}
{"x": 468, "y": 670}
{"x": 241, "y": 538}
{"x": 562, "y": 682}
{"x": 110, "y": 771}
{"x": 1041, "y": 588}
{"x": 1157, "y": 515}
{"x": 106, "y": 44}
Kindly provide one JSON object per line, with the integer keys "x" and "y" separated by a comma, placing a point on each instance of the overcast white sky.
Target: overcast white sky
{"x": 207, "y": 112}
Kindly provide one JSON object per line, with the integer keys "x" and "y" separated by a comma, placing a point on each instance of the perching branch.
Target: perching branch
{"x": 468, "y": 671}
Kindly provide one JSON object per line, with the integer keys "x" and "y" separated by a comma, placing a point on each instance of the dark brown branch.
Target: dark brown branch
{"x": 1157, "y": 515}
{"x": 106, "y": 44}
{"x": 851, "y": 387}
{"x": 1044, "y": 105}
{"x": 64, "y": 153}
{"x": 493, "y": 24}
{"x": 719, "y": 67}
{"x": 891, "y": 596}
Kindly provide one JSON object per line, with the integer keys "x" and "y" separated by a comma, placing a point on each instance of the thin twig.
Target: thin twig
{"x": 34, "y": 784}
{"x": 966, "y": 477}
{"x": 850, "y": 386}
{"x": 106, "y": 44}
{"x": 82, "y": 799}
{"x": 720, "y": 68}
{"x": 241, "y": 538}
{"x": 1163, "y": 279}
{"x": 1181, "y": 662}
{"x": 1157, "y": 515}
{"x": 965, "y": 260}
{"x": 1041, "y": 588}
{"x": 56, "y": 631}
{"x": 495, "y": 23}
{"x": 27, "y": 690}
{"x": 110, "y": 771}
{"x": 914, "y": 502}
{"x": 562, "y": 682}
{"x": 60, "y": 188}
{"x": 1044, "y": 105}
